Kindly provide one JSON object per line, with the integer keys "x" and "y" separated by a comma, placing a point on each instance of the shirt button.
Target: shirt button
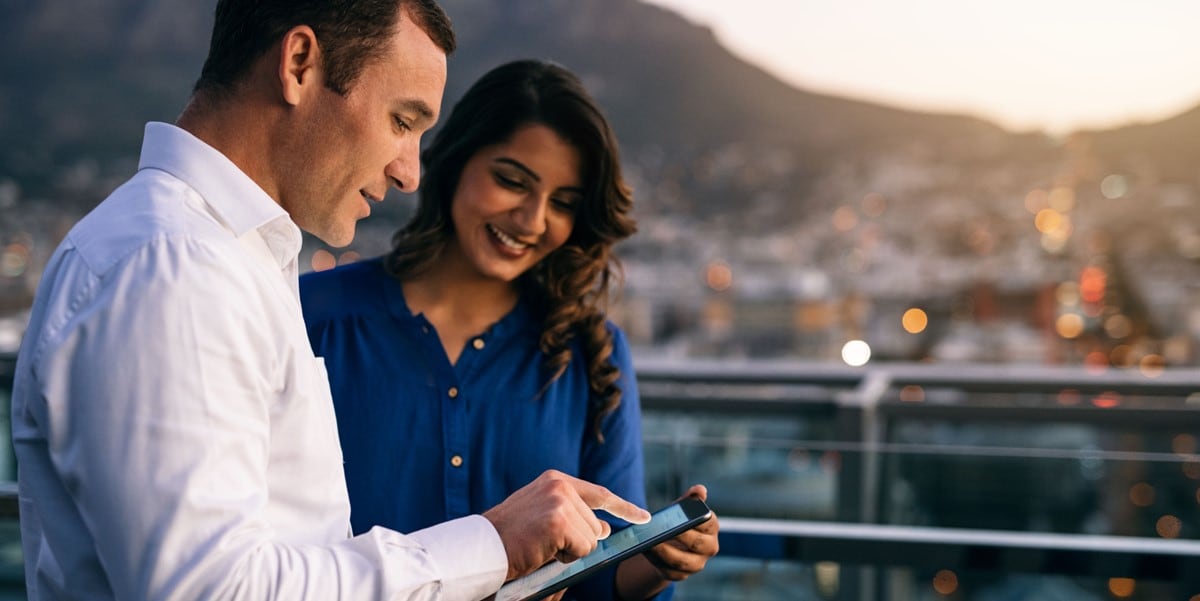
{"x": 453, "y": 392}
{"x": 478, "y": 344}
{"x": 456, "y": 461}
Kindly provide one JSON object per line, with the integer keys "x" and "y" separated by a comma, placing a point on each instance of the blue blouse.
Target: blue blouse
{"x": 425, "y": 441}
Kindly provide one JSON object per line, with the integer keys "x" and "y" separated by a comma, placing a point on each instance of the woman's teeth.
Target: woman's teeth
{"x": 506, "y": 240}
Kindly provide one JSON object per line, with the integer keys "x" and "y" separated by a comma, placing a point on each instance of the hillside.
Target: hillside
{"x": 91, "y": 72}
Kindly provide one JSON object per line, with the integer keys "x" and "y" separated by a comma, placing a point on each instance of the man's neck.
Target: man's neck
{"x": 236, "y": 128}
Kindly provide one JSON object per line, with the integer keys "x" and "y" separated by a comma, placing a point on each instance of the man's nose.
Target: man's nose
{"x": 405, "y": 170}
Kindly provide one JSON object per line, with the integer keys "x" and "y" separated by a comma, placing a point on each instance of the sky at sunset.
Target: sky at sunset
{"x": 1055, "y": 65}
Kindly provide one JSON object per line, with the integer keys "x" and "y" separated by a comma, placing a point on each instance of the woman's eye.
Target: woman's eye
{"x": 509, "y": 182}
{"x": 565, "y": 204}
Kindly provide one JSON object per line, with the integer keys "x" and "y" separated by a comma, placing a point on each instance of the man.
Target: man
{"x": 174, "y": 432}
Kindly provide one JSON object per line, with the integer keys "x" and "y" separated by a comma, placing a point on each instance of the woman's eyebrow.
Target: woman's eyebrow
{"x": 521, "y": 166}
{"x": 534, "y": 176}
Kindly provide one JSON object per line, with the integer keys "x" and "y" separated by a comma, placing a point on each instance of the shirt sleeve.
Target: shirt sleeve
{"x": 156, "y": 400}
{"x": 617, "y": 463}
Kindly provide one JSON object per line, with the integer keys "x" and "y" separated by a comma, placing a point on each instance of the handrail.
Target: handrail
{"x": 969, "y": 377}
{"x": 959, "y": 549}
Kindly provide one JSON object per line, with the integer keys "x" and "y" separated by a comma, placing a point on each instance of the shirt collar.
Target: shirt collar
{"x": 234, "y": 198}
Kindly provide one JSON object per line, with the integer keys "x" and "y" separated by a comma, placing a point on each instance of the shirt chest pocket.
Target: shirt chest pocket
{"x": 306, "y": 417}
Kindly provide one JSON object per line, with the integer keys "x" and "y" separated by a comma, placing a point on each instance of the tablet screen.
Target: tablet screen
{"x": 663, "y": 524}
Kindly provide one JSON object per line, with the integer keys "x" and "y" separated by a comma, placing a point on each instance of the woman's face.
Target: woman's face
{"x": 516, "y": 202}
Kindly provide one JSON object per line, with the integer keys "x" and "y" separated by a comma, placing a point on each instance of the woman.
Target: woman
{"x": 476, "y": 354}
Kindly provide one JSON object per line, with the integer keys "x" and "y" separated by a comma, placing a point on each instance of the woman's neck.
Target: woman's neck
{"x": 457, "y": 301}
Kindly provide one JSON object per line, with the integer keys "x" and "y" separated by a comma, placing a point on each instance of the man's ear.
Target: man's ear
{"x": 299, "y": 63}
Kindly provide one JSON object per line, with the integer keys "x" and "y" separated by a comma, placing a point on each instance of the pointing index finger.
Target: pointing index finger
{"x": 598, "y": 497}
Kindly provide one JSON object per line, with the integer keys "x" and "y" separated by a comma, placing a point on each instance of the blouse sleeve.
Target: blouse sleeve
{"x": 617, "y": 463}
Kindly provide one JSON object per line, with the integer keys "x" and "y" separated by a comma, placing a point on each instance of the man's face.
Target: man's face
{"x": 355, "y": 147}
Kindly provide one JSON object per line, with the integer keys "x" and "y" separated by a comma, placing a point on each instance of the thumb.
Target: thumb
{"x": 697, "y": 490}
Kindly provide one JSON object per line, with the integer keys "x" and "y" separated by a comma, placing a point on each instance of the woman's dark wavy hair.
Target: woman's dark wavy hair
{"x": 571, "y": 284}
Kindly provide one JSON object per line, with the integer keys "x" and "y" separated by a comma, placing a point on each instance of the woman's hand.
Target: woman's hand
{"x": 645, "y": 575}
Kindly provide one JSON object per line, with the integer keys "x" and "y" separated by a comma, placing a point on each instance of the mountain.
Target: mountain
{"x": 91, "y": 72}
{"x": 81, "y": 77}
{"x": 1168, "y": 150}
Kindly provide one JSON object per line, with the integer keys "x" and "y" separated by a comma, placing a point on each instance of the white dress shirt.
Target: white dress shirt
{"x": 174, "y": 433}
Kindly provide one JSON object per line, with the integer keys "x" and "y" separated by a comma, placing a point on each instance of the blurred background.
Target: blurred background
{"x": 1003, "y": 183}
{"x": 929, "y": 266}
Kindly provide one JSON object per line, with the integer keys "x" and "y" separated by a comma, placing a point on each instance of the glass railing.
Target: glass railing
{"x": 909, "y": 481}
{"x": 933, "y": 482}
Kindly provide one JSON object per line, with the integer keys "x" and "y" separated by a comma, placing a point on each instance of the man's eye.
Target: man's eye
{"x": 400, "y": 123}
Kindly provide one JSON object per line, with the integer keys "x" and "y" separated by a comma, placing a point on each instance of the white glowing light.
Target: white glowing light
{"x": 856, "y": 353}
{"x": 1114, "y": 187}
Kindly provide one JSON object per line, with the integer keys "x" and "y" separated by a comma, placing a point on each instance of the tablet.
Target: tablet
{"x": 664, "y": 524}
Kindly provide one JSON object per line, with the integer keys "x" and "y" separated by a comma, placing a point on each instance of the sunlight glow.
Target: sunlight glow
{"x": 1025, "y": 64}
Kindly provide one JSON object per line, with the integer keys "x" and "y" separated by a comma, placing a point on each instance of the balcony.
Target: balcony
{"x": 909, "y": 481}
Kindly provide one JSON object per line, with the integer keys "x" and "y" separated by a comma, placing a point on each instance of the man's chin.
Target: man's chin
{"x": 340, "y": 238}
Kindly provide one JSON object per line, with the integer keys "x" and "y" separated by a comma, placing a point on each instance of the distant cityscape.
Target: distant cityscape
{"x": 917, "y": 259}
{"x": 774, "y": 222}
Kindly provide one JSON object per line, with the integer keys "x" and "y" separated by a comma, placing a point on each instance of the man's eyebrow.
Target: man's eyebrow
{"x": 423, "y": 111}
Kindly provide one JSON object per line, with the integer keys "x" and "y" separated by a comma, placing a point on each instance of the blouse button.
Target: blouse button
{"x": 456, "y": 461}
{"x": 453, "y": 392}
{"x": 478, "y": 344}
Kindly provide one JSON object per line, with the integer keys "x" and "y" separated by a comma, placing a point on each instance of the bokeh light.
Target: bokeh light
{"x": 856, "y": 353}
{"x": 348, "y": 257}
{"x": 1141, "y": 494}
{"x": 14, "y": 260}
{"x": 323, "y": 260}
{"x": 1183, "y": 444}
{"x": 1191, "y": 469}
{"x": 828, "y": 577}
{"x": 914, "y": 321}
{"x": 1096, "y": 361}
{"x": 1121, "y": 587}
{"x": 1152, "y": 365}
{"x": 719, "y": 276}
{"x": 912, "y": 394}
{"x": 1069, "y": 325}
{"x": 844, "y": 219}
{"x": 1062, "y": 199}
{"x": 1118, "y": 326}
{"x": 945, "y": 582}
{"x": 1168, "y": 526}
{"x": 1092, "y": 284}
{"x": 1106, "y": 400}
{"x": 1068, "y": 397}
{"x": 1114, "y": 187}
{"x": 1054, "y": 243}
{"x": 1121, "y": 355}
{"x": 1067, "y": 294}
{"x": 830, "y": 462}
{"x": 1048, "y": 221}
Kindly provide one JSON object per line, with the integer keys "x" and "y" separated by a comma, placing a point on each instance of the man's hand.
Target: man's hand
{"x": 552, "y": 518}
